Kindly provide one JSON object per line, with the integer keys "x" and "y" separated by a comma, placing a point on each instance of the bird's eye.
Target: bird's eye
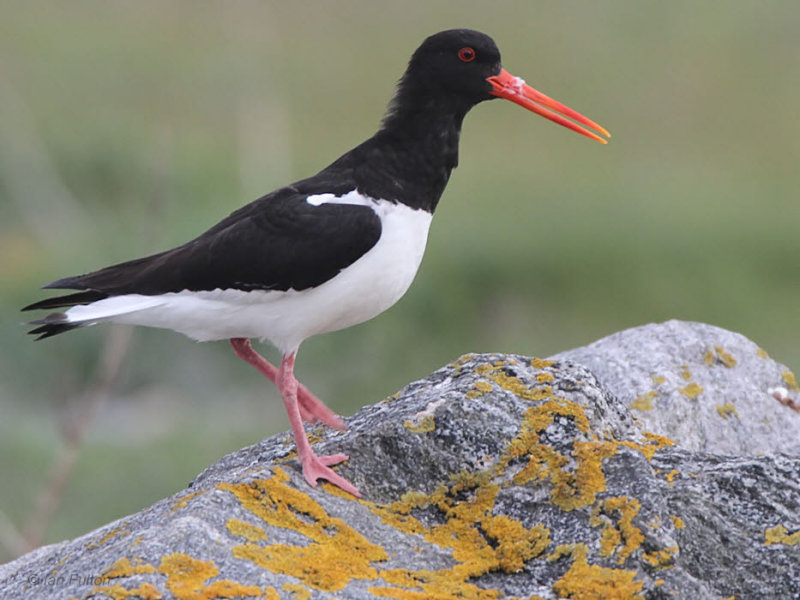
{"x": 466, "y": 54}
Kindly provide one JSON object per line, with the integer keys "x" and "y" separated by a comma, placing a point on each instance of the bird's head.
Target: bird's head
{"x": 464, "y": 66}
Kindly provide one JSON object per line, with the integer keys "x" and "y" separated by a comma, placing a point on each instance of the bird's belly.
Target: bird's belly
{"x": 356, "y": 294}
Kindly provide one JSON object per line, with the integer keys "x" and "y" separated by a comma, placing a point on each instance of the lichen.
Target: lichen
{"x": 619, "y": 535}
{"x": 645, "y": 401}
{"x": 677, "y": 522}
{"x": 727, "y": 410}
{"x": 692, "y": 390}
{"x": 336, "y": 552}
{"x": 187, "y": 579}
{"x": 780, "y": 535}
{"x": 661, "y": 559}
{"x": 248, "y": 531}
{"x": 425, "y": 425}
{"x": 583, "y": 581}
{"x": 790, "y": 380}
{"x": 184, "y": 500}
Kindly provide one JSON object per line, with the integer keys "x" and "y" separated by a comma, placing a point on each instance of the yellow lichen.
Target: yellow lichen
{"x": 645, "y": 401}
{"x": 670, "y": 477}
{"x": 619, "y": 535}
{"x": 248, "y": 531}
{"x": 119, "y": 531}
{"x": 677, "y": 522}
{"x": 187, "y": 579}
{"x": 540, "y": 363}
{"x": 336, "y": 553}
{"x": 727, "y": 410}
{"x": 297, "y": 591}
{"x": 685, "y": 373}
{"x": 591, "y": 582}
{"x": 185, "y": 499}
{"x": 790, "y": 380}
{"x": 479, "y": 388}
{"x": 692, "y": 390}
{"x": 726, "y": 358}
{"x": 780, "y": 535}
{"x": 124, "y": 568}
{"x": 545, "y": 377}
{"x": 424, "y": 425}
{"x": 762, "y": 353}
{"x": 658, "y": 379}
{"x": 661, "y": 559}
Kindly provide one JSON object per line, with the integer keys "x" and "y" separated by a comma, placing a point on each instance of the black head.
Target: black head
{"x": 456, "y": 62}
{"x": 454, "y": 70}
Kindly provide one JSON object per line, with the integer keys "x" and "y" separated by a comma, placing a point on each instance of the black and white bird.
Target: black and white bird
{"x": 323, "y": 253}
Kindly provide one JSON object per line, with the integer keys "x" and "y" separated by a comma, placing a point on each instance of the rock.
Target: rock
{"x": 710, "y": 389}
{"x": 497, "y": 476}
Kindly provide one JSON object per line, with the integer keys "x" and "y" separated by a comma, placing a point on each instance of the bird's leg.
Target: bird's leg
{"x": 312, "y": 408}
{"x": 314, "y": 467}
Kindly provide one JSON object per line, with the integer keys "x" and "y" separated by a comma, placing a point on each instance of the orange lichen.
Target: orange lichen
{"x": 619, "y": 535}
{"x": 336, "y": 553}
{"x": 540, "y": 363}
{"x": 590, "y": 582}
{"x": 545, "y": 377}
{"x": 145, "y": 591}
{"x": 670, "y": 477}
{"x": 248, "y": 531}
{"x": 187, "y": 579}
{"x": 479, "y": 388}
{"x": 692, "y": 390}
{"x": 677, "y": 522}
{"x": 661, "y": 559}
{"x": 645, "y": 401}
{"x": 297, "y": 591}
{"x": 780, "y": 535}
{"x": 124, "y": 568}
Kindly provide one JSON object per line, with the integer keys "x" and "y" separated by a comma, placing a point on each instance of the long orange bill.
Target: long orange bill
{"x": 505, "y": 85}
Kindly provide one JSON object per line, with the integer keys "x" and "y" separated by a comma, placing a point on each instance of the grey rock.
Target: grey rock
{"x": 497, "y": 476}
{"x": 710, "y": 389}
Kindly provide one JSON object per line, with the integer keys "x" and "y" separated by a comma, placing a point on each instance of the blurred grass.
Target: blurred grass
{"x": 129, "y": 127}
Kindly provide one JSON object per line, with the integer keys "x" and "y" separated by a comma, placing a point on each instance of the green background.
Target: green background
{"x": 130, "y": 127}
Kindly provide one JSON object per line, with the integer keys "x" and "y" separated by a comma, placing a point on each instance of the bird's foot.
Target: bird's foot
{"x": 312, "y": 409}
{"x": 318, "y": 467}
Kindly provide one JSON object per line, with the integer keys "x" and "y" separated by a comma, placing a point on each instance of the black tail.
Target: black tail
{"x": 56, "y": 323}
{"x": 52, "y": 325}
{"x": 86, "y": 297}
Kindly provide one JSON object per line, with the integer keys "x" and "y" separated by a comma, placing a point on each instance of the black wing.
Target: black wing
{"x": 278, "y": 242}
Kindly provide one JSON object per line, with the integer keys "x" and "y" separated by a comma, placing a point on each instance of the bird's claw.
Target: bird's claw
{"x": 318, "y": 467}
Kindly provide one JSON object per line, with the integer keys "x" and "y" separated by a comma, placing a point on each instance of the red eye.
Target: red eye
{"x": 466, "y": 54}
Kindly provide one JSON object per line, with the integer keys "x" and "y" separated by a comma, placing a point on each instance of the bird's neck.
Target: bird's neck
{"x": 410, "y": 158}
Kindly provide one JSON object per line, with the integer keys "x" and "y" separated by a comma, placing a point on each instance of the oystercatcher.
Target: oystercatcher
{"x": 323, "y": 253}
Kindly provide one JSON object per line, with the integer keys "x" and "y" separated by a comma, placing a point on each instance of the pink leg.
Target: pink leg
{"x": 314, "y": 467}
{"x": 312, "y": 408}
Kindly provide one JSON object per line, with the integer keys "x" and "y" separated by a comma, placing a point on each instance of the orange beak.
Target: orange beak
{"x": 505, "y": 85}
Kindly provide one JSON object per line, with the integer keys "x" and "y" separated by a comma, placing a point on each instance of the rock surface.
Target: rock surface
{"x": 657, "y": 463}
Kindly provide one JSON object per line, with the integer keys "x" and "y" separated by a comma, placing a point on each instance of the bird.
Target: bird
{"x": 320, "y": 254}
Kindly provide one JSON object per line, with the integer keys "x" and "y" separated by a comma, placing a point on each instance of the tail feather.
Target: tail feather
{"x": 52, "y": 325}
{"x": 85, "y": 297}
